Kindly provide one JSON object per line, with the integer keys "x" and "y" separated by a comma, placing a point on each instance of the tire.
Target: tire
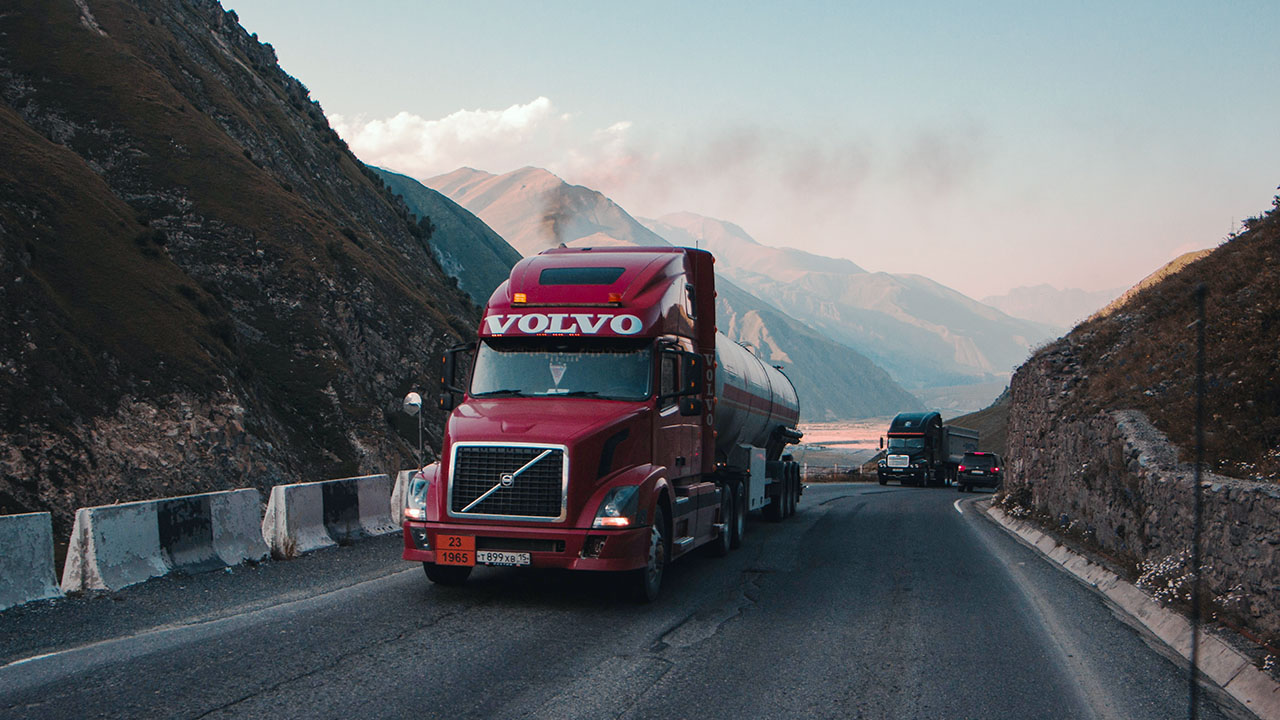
{"x": 773, "y": 512}
{"x": 723, "y": 544}
{"x": 883, "y": 481}
{"x": 446, "y": 574}
{"x": 646, "y": 582}
{"x": 793, "y": 493}
{"x": 797, "y": 487}
{"x": 740, "y": 514}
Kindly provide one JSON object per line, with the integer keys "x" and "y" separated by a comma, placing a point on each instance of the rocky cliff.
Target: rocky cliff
{"x": 202, "y": 287}
{"x": 1101, "y": 431}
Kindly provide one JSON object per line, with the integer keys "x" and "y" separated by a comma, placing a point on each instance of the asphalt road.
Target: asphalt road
{"x": 872, "y": 602}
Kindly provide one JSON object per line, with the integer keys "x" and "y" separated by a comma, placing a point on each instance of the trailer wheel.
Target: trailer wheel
{"x": 789, "y": 507}
{"x": 797, "y": 487}
{"x": 446, "y": 574}
{"x": 739, "y": 527}
{"x": 773, "y": 511}
{"x": 728, "y": 514}
{"x": 647, "y": 581}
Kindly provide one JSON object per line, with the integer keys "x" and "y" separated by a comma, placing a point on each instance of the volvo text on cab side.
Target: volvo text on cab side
{"x": 604, "y": 425}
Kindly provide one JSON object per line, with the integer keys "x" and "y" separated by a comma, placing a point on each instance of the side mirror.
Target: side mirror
{"x": 694, "y": 382}
{"x": 690, "y": 406}
{"x": 449, "y": 377}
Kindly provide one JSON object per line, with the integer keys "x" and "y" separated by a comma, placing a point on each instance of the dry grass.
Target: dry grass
{"x": 991, "y": 423}
{"x": 1142, "y": 355}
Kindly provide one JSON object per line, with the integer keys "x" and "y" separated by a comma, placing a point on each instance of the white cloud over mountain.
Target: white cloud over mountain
{"x": 825, "y": 194}
{"x": 483, "y": 138}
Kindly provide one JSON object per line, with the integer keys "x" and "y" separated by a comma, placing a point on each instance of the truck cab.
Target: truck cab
{"x": 583, "y": 427}
{"x": 921, "y": 450}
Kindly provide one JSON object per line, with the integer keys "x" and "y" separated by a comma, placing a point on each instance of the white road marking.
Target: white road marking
{"x": 956, "y": 505}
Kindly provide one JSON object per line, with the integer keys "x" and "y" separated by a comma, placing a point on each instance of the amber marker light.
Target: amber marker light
{"x": 613, "y": 522}
{"x": 615, "y": 297}
{"x": 519, "y": 297}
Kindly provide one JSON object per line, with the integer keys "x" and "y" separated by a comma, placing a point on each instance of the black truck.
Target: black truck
{"x": 923, "y": 451}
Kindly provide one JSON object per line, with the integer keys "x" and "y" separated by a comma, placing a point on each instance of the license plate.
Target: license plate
{"x": 978, "y": 472}
{"x": 501, "y": 557}
{"x": 456, "y": 550}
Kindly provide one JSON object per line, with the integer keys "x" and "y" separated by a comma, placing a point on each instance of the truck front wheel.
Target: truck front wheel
{"x": 647, "y": 581}
{"x": 446, "y": 574}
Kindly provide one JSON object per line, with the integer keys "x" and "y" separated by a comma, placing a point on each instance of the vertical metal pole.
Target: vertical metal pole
{"x": 1197, "y": 509}
{"x": 422, "y": 458}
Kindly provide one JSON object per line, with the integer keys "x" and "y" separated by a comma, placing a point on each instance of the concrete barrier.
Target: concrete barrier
{"x": 26, "y": 559}
{"x": 114, "y": 546}
{"x": 304, "y": 517}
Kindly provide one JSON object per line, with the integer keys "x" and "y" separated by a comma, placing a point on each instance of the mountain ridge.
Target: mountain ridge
{"x": 833, "y": 381}
{"x": 467, "y": 249}
{"x": 924, "y": 333}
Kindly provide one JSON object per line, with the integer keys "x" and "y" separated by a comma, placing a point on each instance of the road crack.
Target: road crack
{"x": 331, "y": 664}
{"x": 704, "y": 623}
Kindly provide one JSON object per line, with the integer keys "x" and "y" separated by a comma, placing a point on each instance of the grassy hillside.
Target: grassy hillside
{"x": 991, "y": 422}
{"x": 203, "y": 288}
{"x": 832, "y": 381}
{"x": 1141, "y": 354}
{"x": 466, "y": 248}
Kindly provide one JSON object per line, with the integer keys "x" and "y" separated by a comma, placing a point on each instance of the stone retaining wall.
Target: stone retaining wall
{"x": 1115, "y": 478}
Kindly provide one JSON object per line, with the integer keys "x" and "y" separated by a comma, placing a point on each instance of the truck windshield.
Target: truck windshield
{"x": 900, "y": 443}
{"x": 617, "y": 370}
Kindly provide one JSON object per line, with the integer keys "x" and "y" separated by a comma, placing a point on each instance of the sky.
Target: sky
{"x": 986, "y": 146}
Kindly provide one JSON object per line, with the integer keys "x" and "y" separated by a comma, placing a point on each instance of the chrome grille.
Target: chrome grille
{"x": 535, "y": 493}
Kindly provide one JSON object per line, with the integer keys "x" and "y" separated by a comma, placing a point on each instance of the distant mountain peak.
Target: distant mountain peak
{"x": 534, "y": 209}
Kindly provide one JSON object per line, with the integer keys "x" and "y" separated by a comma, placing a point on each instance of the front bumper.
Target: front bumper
{"x": 621, "y": 549}
{"x": 891, "y": 473}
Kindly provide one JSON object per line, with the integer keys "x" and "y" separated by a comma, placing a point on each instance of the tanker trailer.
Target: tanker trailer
{"x": 605, "y": 425}
{"x": 756, "y": 415}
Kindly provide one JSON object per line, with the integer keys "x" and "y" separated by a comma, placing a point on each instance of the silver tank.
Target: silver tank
{"x": 752, "y": 398}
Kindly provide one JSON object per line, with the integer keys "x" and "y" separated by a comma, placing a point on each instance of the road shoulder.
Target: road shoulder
{"x": 1221, "y": 663}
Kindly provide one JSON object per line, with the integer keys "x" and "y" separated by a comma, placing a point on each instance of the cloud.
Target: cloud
{"x": 490, "y": 139}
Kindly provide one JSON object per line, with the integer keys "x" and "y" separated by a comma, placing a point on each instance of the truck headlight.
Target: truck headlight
{"x": 415, "y": 500}
{"x": 619, "y": 508}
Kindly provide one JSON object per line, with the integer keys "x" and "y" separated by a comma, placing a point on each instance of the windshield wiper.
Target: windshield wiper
{"x": 508, "y": 392}
{"x": 580, "y": 393}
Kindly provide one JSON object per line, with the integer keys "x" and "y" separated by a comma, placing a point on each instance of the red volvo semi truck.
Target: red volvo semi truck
{"x": 602, "y": 423}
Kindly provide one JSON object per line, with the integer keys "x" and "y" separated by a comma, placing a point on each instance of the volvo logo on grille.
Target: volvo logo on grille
{"x": 508, "y": 479}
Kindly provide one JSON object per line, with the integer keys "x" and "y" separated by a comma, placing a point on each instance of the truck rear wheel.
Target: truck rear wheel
{"x": 773, "y": 511}
{"x": 797, "y": 487}
{"x": 446, "y": 574}
{"x": 647, "y": 581}
{"x": 789, "y": 492}
{"x": 739, "y": 526}
{"x": 728, "y": 514}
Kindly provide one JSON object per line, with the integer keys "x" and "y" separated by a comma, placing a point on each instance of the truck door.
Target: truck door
{"x": 677, "y": 437}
